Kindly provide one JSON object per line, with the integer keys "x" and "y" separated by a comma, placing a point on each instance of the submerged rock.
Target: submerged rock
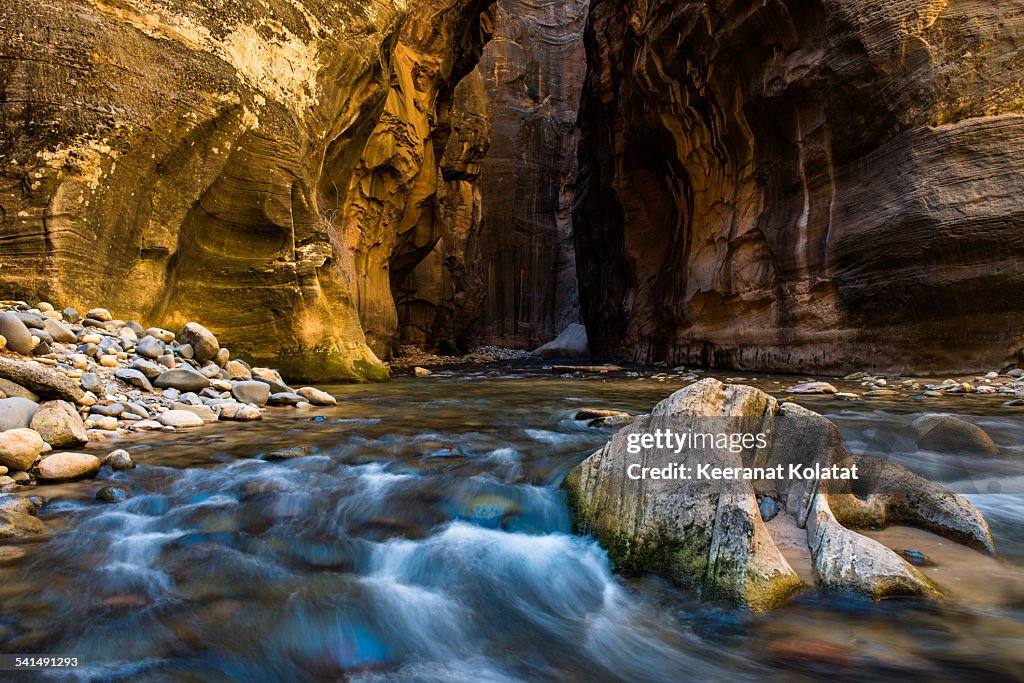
{"x": 710, "y": 533}
{"x": 947, "y": 434}
{"x": 17, "y": 518}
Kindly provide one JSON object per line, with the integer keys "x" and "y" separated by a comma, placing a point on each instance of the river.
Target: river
{"x": 422, "y": 535}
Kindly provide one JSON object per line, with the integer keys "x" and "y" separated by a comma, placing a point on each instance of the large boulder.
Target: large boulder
{"x": 60, "y": 425}
{"x": 571, "y": 343}
{"x": 203, "y": 342}
{"x": 19, "y": 448}
{"x": 709, "y": 533}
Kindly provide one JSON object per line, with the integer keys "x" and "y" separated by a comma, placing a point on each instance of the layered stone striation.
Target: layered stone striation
{"x": 505, "y": 270}
{"x": 803, "y": 186}
{"x": 255, "y": 166}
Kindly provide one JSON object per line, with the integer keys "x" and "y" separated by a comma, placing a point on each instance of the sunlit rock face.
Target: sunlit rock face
{"x": 804, "y": 186}
{"x": 505, "y": 272}
{"x": 254, "y": 166}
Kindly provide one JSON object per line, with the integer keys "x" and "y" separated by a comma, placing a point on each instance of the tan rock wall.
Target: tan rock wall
{"x": 236, "y": 163}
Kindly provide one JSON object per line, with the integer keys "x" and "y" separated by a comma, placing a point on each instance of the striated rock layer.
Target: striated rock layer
{"x": 804, "y": 186}
{"x": 259, "y": 167}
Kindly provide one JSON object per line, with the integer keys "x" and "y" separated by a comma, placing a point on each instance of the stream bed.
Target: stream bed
{"x": 421, "y": 533}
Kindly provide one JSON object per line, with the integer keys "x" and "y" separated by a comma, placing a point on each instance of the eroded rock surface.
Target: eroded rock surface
{"x": 709, "y": 532}
{"x": 803, "y": 185}
{"x": 253, "y": 166}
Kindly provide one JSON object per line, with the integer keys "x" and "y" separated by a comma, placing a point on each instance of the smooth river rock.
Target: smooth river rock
{"x": 19, "y": 338}
{"x": 253, "y": 391}
{"x": 17, "y": 517}
{"x": 19, "y": 448}
{"x": 180, "y": 418}
{"x": 68, "y": 466}
{"x": 16, "y": 412}
{"x": 182, "y": 378}
{"x": 571, "y": 343}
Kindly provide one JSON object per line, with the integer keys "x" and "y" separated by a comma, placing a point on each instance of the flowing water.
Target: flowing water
{"x": 422, "y": 535}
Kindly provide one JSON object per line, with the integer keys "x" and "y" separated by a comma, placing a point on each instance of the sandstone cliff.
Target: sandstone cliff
{"x": 804, "y": 185}
{"x": 505, "y": 271}
{"x": 256, "y": 166}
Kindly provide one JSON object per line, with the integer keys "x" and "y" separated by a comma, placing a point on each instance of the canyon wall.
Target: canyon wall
{"x": 506, "y": 274}
{"x": 258, "y": 167}
{"x": 804, "y": 186}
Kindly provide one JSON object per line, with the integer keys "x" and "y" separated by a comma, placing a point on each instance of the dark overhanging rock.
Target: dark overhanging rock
{"x": 803, "y": 186}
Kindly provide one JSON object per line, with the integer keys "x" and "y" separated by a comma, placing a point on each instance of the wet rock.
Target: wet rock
{"x": 19, "y": 339}
{"x": 612, "y": 421}
{"x": 253, "y": 391}
{"x": 846, "y": 396}
{"x": 16, "y": 412}
{"x": 593, "y": 413}
{"x": 812, "y": 388}
{"x": 180, "y": 418}
{"x": 11, "y": 553}
{"x": 68, "y": 467}
{"x": 17, "y": 518}
{"x": 948, "y": 434}
{"x": 134, "y": 378}
{"x": 182, "y": 378}
{"x": 422, "y": 372}
{"x": 119, "y": 460}
{"x": 203, "y": 342}
{"x": 13, "y": 390}
{"x": 59, "y": 424}
{"x": 19, "y": 448}
{"x": 317, "y": 397}
{"x": 769, "y": 509}
{"x": 290, "y": 453}
{"x": 285, "y": 398}
{"x": 113, "y": 493}
{"x": 916, "y": 558}
{"x": 571, "y": 343}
